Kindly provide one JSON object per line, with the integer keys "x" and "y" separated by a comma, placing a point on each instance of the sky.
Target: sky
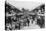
{"x": 24, "y": 4}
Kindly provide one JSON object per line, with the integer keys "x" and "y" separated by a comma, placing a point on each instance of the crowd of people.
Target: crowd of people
{"x": 15, "y": 19}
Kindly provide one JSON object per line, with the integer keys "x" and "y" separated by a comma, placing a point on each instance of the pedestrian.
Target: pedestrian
{"x": 28, "y": 21}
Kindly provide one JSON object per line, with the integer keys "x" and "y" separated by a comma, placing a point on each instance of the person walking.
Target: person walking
{"x": 28, "y": 21}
